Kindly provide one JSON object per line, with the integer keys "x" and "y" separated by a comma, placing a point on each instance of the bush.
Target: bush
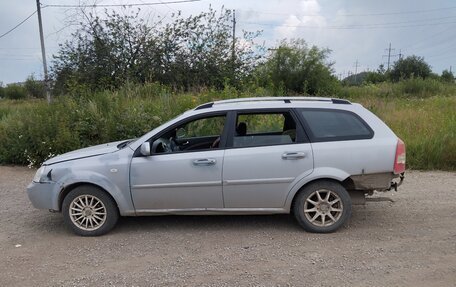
{"x": 34, "y": 88}
{"x": 375, "y": 77}
{"x": 447, "y": 76}
{"x": 35, "y": 132}
{"x": 15, "y": 92}
{"x": 419, "y": 88}
{"x": 295, "y": 67}
{"x": 410, "y": 67}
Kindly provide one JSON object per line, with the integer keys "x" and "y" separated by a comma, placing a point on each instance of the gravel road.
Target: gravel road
{"x": 409, "y": 242}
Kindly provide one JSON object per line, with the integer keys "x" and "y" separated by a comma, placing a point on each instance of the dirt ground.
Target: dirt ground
{"x": 409, "y": 242}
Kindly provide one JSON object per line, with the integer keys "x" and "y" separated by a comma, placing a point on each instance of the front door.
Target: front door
{"x": 184, "y": 171}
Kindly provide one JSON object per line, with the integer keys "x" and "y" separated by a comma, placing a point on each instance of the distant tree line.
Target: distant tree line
{"x": 31, "y": 88}
{"x": 403, "y": 69}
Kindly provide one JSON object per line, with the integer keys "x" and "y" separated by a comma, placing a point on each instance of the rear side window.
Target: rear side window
{"x": 335, "y": 125}
{"x": 262, "y": 129}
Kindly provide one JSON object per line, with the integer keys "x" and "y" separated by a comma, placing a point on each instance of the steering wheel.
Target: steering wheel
{"x": 161, "y": 145}
{"x": 173, "y": 144}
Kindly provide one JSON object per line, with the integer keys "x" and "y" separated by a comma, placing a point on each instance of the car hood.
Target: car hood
{"x": 85, "y": 152}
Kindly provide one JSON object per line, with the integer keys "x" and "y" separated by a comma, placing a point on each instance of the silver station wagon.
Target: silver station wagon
{"x": 311, "y": 157}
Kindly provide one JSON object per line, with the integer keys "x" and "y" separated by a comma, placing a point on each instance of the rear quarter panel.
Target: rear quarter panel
{"x": 355, "y": 157}
{"x": 339, "y": 160}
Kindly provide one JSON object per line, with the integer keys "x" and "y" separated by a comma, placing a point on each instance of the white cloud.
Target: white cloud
{"x": 308, "y": 15}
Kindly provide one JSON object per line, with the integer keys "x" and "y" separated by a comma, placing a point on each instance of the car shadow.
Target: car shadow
{"x": 362, "y": 217}
{"x": 207, "y": 223}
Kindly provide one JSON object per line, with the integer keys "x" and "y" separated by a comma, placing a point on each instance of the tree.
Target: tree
{"x": 296, "y": 67}
{"x": 410, "y": 67}
{"x": 34, "y": 88}
{"x": 15, "y": 92}
{"x": 2, "y": 91}
{"x": 447, "y": 76}
{"x": 196, "y": 51}
{"x": 378, "y": 76}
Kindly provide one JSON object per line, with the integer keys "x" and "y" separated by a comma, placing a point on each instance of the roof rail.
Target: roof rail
{"x": 286, "y": 100}
{"x": 204, "y": 106}
{"x": 272, "y": 99}
{"x": 341, "y": 101}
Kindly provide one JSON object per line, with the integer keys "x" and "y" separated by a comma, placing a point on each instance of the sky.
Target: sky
{"x": 357, "y": 31}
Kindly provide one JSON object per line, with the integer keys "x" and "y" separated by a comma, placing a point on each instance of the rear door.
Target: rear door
{"x": 266, "y": 151}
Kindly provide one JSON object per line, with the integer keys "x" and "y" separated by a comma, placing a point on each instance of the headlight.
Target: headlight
{"x": 39, "y": 173}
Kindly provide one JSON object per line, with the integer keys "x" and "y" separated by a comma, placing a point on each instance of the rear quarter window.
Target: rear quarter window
{"x": 335, "y": 125}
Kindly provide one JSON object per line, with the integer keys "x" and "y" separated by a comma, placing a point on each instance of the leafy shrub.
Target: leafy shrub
{"x": 418, "y": 88}
{"x": 447, "y": 76}
{"x": 410, "y": 67}
{"x": 297, "y": 68}
{"x": 34, "y": 88}
{"x": 15, "y": 92}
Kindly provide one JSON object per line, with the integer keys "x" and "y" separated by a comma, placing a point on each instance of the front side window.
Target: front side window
{"x": 206, "y": 127}
{"x": 331, "y": 125}
{"x": 199, "y": 134}
{"x": 260, "y": 129}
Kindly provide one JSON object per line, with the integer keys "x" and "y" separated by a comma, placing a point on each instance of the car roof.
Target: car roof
{"x": 272, "y": 102}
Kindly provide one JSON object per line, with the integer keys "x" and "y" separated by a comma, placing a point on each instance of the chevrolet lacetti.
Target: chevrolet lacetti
{"x": 311, "y": 157}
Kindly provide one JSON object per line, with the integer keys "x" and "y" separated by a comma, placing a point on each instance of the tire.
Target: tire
{"x": 322, "y": 207}
{"x": 89, "y": 211}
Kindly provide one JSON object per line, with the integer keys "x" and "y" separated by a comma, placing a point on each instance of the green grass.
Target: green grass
{"x": 427, "y": 126}
{"x": 32, "y": 131}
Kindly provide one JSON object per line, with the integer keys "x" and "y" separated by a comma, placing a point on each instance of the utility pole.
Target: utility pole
{"x": 389, "y": 56}
{"x": 400, "y": 54}
{"x": 43, "y": 52}
{"x": 233, "y": 49}
{"x": 356, "y": 65}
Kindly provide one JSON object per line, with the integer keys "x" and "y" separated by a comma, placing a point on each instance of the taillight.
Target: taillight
{"x": 399, "y": 159}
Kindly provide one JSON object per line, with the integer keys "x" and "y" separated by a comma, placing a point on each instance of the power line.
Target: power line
{"x": 117, "y": 5}
{"x": 362, "y": 15}
{"x": 428, "y": 21}
{"x": 426, "y": 40}
{"x": 356, "y": 26}
{"x": 14, "y": 28}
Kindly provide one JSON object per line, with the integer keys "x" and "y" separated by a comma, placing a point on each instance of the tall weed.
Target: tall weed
{"x": 422, "y": 113}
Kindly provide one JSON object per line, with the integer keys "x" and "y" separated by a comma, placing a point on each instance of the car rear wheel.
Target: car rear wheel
{"x": 89, "y": 211}
{"x": 322, "y": 207}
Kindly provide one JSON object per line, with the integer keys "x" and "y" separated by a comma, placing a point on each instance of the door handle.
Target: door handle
{"x": 204, "y": 161}
{"x": 293, "y": 155}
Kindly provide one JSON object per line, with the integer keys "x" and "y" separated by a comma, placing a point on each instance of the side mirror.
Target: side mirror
{"x": 145, "y": 149}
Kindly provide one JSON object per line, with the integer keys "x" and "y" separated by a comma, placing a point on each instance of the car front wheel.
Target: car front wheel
{"x": 89, "y": 211}
{"x": 322, "y": 207}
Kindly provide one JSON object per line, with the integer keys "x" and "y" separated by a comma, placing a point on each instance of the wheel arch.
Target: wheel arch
{"x": 122, "y": 198}
{"x": 68, "y": 188}
{"x": 323, "y": 174}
